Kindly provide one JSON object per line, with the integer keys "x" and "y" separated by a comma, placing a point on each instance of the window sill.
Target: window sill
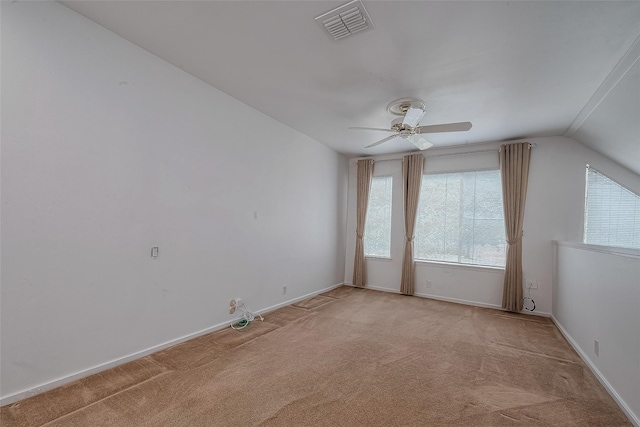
{"x": 610, "y": 250}
{"x": 443, "y": 264}
{"x": 377, "y": 258}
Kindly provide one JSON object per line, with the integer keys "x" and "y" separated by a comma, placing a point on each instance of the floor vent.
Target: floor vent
{"x": 345, "y": 20}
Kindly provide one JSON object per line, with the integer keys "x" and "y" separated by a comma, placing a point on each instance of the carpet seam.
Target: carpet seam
{"x": 307, "y": 314}
{"x": 518, "y": 407}
{"x": 520, "y": 317}
{"x": 318, "y": 306}
{"x": 163, "y": 371}
{"x": 255, "y": 338}
{"x": 224, "y": 350}
{"x": 105, "y": 398}
{"x": 579, "y": 362}
{"x": 158, "y": 363}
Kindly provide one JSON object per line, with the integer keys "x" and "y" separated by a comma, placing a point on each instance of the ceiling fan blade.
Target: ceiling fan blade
{"x": 381, "y": 141}
{"x": 420, "y": 142}
{"x": 383, "y": 130}
{"x": 448, "y": 127}
{"x": 413, "y": 117}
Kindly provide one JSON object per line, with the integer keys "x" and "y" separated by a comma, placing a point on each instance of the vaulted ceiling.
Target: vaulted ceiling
{"x": 514, "y": 69}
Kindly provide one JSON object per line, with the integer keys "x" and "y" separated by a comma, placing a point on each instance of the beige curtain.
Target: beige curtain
{"x": 514, "y": 169}
{"x": 365, "y": 172}
{"x": 412, "y": 167}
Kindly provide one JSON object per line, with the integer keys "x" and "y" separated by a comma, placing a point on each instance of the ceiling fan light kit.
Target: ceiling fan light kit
{"x": 406, "y": 127}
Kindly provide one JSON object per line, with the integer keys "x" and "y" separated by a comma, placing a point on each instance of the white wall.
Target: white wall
{"x": 554, "y": 211}
{"x": 107, "y": 151}
{"x": 596, "y": 294}
{"x": 597, "y": 298}
{"x": 612, "y": 126}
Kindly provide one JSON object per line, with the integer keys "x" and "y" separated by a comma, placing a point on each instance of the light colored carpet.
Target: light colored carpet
{"x": 349, "y": 357}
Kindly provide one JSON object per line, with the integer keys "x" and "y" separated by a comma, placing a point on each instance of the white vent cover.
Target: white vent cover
{"x": 345, "y": 20}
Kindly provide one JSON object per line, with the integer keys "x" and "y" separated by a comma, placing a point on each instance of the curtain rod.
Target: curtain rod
{"x": 497, "y": 150}
{"x": 531, "y": 145}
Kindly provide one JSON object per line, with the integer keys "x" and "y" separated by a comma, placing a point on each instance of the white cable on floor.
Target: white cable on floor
{"x": 246, "y": 318}
{"x": 525, "y": 305}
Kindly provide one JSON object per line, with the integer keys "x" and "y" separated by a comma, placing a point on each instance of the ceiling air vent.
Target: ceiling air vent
{"x": 345, "y": 20}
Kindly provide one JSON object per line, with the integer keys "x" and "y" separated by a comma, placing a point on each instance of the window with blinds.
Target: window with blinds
{"x": 611, "y": 213}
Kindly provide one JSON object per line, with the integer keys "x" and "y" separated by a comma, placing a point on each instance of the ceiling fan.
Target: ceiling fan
{"x": 406, "y": 127}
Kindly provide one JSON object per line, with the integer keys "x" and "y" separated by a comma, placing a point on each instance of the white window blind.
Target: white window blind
{"x": 611, "y": 214}
{"x": 460, "y": 219}
{"x": 377, "y": 230}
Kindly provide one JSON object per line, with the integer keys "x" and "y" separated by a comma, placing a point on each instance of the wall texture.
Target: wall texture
{"x": 107, "y": 151}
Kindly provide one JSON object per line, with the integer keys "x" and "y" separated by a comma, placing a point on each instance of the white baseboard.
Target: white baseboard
{"x": 614, "y": 394}
{"x": 298, "y": 299}
{"x": 6, "y": 400}
{"x": 479, "y": 304}
{"x": 454, "y": 300}
{"x": 459, "y": 301}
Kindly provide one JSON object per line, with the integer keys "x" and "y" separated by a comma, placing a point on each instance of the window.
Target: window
{"x": 377, "y": 229}
{"x": 611, "y": 213}
{"x": 460, "y": 219}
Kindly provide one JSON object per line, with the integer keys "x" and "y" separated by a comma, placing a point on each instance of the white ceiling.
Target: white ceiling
{"x": 514, "y": 69}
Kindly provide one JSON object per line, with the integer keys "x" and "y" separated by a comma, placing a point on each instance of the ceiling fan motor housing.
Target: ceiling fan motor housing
{"x": 401, "y": 128}
{"x": 399, "y": 107}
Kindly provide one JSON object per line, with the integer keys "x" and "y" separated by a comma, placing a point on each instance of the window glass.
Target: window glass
{"x": 377, "y": 231}
{"x": 460, "y": 219}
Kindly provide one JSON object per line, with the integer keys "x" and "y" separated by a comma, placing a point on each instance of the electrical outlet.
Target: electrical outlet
{"x": 428, "y": 284}
{"x": 233, "y": 304}
{"x": 531, "y": 284}
{"x": 596, "y": 347}
{"x": 284, "y": 290}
